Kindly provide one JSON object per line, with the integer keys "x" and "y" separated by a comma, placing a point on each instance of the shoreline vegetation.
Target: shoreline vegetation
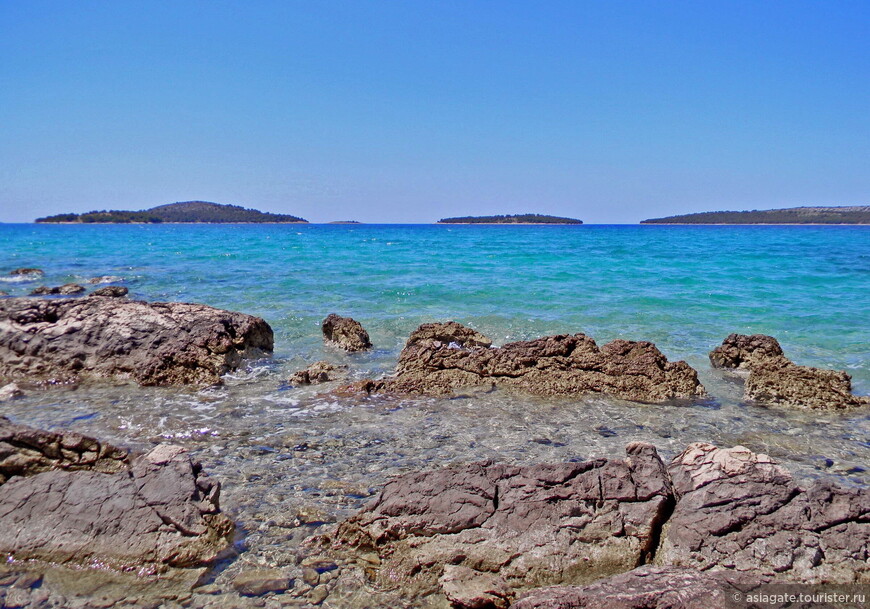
{"x": 510, "y": 219}
{"x": 856, "y": 214}
{"x": 186, "y": 212}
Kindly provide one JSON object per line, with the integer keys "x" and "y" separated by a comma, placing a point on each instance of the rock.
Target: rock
{"x": 318, "y": 372}
{"x": 111, "y": 291}
{"x": 261, "y": 581}
{"x": 502, "y": 528}
{"x": 3, "y": 293}
{"x": 742, "y": 351}
{"x": 105, "y": 279}
{"x": 151, "y": 343}
{"x": 345, "y": 333}
{"x": 10, "y": 392}
{"x": 71, "y": 500}
{"x": 68, "y": 289}
{"x": 646, "y": 587}
{"x": 740, "y": 510}
{"x": 774, "y": 379}
{"x": 441, "y": 358}
{"x": 27, "y": 271}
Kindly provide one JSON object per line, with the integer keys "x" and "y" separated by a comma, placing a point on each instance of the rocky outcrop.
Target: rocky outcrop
{"x": 441, "y": 358}
{"x": 318, "y": 372}
{"x": 151, "y": 343}
{"x": 716, "y": 520}
{"x": 487, "y": 530}
{"x": 69, "y": 499}
{"x": 68, "y": 289}
{"x": 111, "y": 291}
{"x": 775, "y": 379}
{"x": 345, "y": 333}
{"x": 648, "y": 587}
{"x": 27, "y": 271}
{"x": 740, "y": 510}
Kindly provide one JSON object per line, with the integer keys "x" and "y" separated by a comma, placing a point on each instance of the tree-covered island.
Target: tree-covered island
{"x": 856, "y": 214}
{"x": 510, "y": 219}
{"x": 184, "y": 212}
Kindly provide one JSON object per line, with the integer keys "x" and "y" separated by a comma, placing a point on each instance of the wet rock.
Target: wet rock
{"x": 261, "y": 581}
{"x": 345, "y": 333}
{"x": 105, "y": 279}
{"x": 774, "y": 379}
{"x": 69, "y": 499}
{"x": 68, "y": 289}
{"x": 27, "y": 271}
{"x": 10, "y": 392}
{"x": 646, "y": 587}
{"x": 318, "y": 372}
{"x": 111, "y": 291}
{"x": 2, "y": 293}
{"x": 502, "y": 528}
{"x": 439, "y": 359}
{"x": 740, "y": 510}
{"x": 151, "y": 343}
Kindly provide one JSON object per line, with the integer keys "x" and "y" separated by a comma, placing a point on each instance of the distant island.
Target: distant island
{"x": 511, "y": 219}
{"x": 184, "y": 212}
{"x": 791, "y": 215}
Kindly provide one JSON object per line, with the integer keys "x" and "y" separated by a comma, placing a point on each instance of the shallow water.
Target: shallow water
{"x": 292, "y": 459}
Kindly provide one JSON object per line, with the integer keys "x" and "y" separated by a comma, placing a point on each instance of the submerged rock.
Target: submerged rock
{"x": 740, "y": 510}
{"x": 345, "y": 333}
{"x": 775, "y": 379}
{"x": 69, "y": 499}
{"x": 318, "y": 372}
{"x": 10, "y": 392}
{"x": 111, "y": 291}
{"x": 105, "y": 279}
{"x": 151, "y": 343}
{"x": 484, "y": 531}
{"x": 441, "y": 358}
{"x": 27, "y": 271}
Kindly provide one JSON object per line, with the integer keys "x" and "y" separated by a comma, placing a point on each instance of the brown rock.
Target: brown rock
{"x": 647, "y": 587}
{"x": 740, "y": 510}
{"x": 345, "y": 333}
{"x": 68, "y": 289}
{"x": 68, "y": 499}
{"x": 151, "y": 343}
{"x": 261, "y": 581}
{"x": 10, "y": 392}
{"x": 774, "y": 379}
{"x": 502, "y": 528}
{"x": 27, "y": 271}
{"x": 441, "y": 358}
{"x": 111, "y": 291}
{"x": 318, "y": 372}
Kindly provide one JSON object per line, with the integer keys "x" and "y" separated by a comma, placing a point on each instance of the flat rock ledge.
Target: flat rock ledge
{"x": 345, "y": 333}
{"x": 491, "y": 536}
{"x": 775, "y": 379}
{"x": 440, "y": 358}
{"x": 159, "y": 343}
{"x": 71, "y": 500}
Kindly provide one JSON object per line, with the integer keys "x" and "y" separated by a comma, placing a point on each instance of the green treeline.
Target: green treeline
{"x": 185, "y": 212}
{"x": 510, "y": 219}
{"x": 794, "y": 215}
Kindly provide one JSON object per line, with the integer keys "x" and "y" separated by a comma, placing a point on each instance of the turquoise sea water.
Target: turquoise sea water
{"x": 282, "y": 451}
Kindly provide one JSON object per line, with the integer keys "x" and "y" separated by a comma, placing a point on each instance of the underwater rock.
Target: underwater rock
{"x": 72, "y": 500}
{"x": 740, "y": 510}
{"x": 775, "y": 379}
{"x": 105, "y": 279}
{"x": 441, "y": 358}
{"x": 10, "y": 392}
{"x": 151, "y": 343}
{"x": 27, "y": 271}
{"x": 111, "y": 291}
{"x": 318, "y": 372}
{"x": 345, "y": 333}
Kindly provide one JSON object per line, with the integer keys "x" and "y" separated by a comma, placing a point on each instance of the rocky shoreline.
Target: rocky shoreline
{"x": 477, "y": 535}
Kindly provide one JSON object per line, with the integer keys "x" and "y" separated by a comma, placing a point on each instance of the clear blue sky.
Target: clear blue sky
{"x": 406, "y": 111}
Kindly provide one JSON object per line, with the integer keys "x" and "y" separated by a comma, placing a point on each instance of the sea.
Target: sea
{"x": 293, "y": 460}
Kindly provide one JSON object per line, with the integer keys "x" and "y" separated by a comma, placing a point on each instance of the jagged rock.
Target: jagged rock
{"x": 441, "y": 358}
{"x": 105, "y": 279}
{"x": 485, "y": 531}
{"x": 69, "y": 499}
{"x": 151, "y": 343}
{"x": 742, "y": 351}
{"x": 740, "y": 510}
{"x": 27, "y": 271}
{"x": 318, "y": 372}
{"x": 67, "y": 289}
{"x": 774, "y": 379}
{"x": 111, "y": 291}
{"x": 345, "y": 333}
{"x": 647, "y": 587}
{"x": 10, "y": 392}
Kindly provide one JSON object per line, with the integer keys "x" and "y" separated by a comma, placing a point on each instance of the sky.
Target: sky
{"x": 410, "y": 111}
